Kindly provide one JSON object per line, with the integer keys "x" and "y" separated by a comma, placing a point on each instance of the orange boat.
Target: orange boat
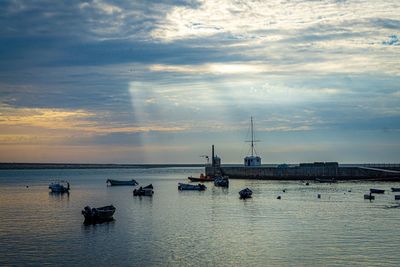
{"x": 202, "y": 178}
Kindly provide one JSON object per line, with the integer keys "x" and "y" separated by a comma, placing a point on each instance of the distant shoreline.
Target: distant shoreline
{"x": 40, "y": 166}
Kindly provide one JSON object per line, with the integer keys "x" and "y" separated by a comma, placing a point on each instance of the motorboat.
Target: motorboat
{"x": 376, "y": 191}
{"x": 222, "y": 181}
{"x": 118, "y": 182}
{"x": 395, "y": 189}
{"x": 144, "y": 191}
{"x": 369, "y": 196}
{"x": 59, "y": 187}
{"x": 325, "y": 180}
{"x": 245, "y": 193}
{"x": 98, "y": 214}
{"x": 199, "y": 187}
{"x": 202, "y": 178}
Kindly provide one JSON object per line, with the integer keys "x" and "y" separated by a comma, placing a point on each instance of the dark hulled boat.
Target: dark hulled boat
{"x": 118, "y": 182}
{"x": 98, "y": 214}
{"x": 376, "y": 191}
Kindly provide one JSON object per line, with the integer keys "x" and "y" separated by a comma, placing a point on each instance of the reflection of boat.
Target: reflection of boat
{"x": 202, "y": 178}
{"x": 199, "y": 187}
{"x": 221, "y": 181}
{"x": 98, "y": 214}
{"x": 145, "y": 191}
{"x": 395, "y": 189}
{"x": 376, "y": 191}
{"x": 59, "y": 187}
{"x": 117, "y": 182}
{"x": 326, "y": 180}
{"x": 245, "y": 193}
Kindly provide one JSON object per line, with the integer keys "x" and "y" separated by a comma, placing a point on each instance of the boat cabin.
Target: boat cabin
{"x": 252, "y": 161}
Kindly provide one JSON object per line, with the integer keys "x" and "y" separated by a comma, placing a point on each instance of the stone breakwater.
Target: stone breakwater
{"x": 307, "y": 171}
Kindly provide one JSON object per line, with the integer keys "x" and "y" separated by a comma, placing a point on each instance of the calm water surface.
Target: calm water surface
{"x": 187, "y": 228}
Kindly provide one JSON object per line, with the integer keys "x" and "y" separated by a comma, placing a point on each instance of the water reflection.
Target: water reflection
{"x": 59, "y": 196}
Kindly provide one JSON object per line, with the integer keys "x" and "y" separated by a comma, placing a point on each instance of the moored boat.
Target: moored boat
{"x": 221, "y": 181}
{"x": 245, "y": 193}
{"x": 369, "y": 196}
{"x": 98, "y": 214}
{"x": 395, "y": 189}
{"x": 118, "y": 182}
{"x": 144, "y": 191}
{"x": 202, "y": 178}
{"x": 59, "y": 187}
{"x": 376, "y": 191}
{"x": 199, "y": 187}
{"x": 325, "y": 180}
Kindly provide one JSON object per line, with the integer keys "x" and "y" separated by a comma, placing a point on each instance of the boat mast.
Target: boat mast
{"x": 252, "y": 137}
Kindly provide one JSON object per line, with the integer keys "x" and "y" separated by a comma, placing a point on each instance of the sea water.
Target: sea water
{"x": 191, "y": 228}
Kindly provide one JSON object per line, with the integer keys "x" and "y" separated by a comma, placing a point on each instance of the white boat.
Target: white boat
{"x": 59, "y": 187}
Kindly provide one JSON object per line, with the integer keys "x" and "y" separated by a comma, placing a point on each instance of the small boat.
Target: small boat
{"x": 199, "y": 187}
{"x": 325, "y": 180}
{"x": 117, "y": 182}
{"x": 59, "y": 187}
{"x": 376, "y": 191}
{"x": 245, "y": 193}
{"x": 397, "y": 197}
{"x": 98, "y": 214}
{"x": 395, "y": 189}
{"x": 202, "y": 178}
{"x": 369, "y": 196}
{"x": 221, "y": 181}
{"x": 145, "y": 191}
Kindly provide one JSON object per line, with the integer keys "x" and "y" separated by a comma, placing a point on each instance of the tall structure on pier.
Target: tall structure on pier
{"x": 253, "y": 159}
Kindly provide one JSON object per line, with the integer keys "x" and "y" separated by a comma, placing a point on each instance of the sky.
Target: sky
{"x": 161, "y": 81}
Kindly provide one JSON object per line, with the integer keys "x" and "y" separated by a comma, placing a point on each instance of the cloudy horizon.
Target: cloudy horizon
{"x": 161, "y": 81}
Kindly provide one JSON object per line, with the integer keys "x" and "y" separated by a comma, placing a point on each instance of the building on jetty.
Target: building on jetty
{"x": 253, "y": 169}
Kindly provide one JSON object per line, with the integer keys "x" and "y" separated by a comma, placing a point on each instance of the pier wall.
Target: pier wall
{"x": 303, "y": 172}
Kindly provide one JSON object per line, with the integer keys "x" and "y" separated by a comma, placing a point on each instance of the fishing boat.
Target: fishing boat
{"x": 325, "y": 180}
{"x": 221, "y": 181}
{"x": 59, "y": 187}
{"x": 199, "y": 187}
{"x": 245, "y": 193}
{"x": 369, "y": 196}
{"x": 98, "y": 214}
{"x": 145, "y": 191}
{"x": 118, "y": 182}
{"x": 202, "y": 178}
{"x": 376, "y": 191}
{"x": 395, "y": 189}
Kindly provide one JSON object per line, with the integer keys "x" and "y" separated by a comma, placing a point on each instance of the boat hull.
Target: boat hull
{"x": 117, "y": 182}
{"x": 196, "y": 179}
{"x": 199, "y": 187}
{"x": 98, "y": 214}
{"x": 376, "y": 191}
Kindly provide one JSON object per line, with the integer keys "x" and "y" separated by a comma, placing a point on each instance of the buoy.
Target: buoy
{"x": 307, "y": 183}
{"x": 319, "y": 195}
{"x": 284, "y": 190}
{"x": 279, "y": 197}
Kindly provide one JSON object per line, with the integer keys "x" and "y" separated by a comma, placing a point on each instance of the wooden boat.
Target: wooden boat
{"x": 199, "y": 187}
{"x": 395, "y": 189}
{"x": 221, "y": 181}
{"x": 376, "y": 191}
{"x": 98, "y": 214}
{"x": 245, "y": 193}
{"x": 202, "y": 178}
{"x": 117, "y": 182}
{"x": 369, "y": 196}
{"x": 59, "y": 187}
{"x": 145, "y": 191}
{"x": 325, "y": 180}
